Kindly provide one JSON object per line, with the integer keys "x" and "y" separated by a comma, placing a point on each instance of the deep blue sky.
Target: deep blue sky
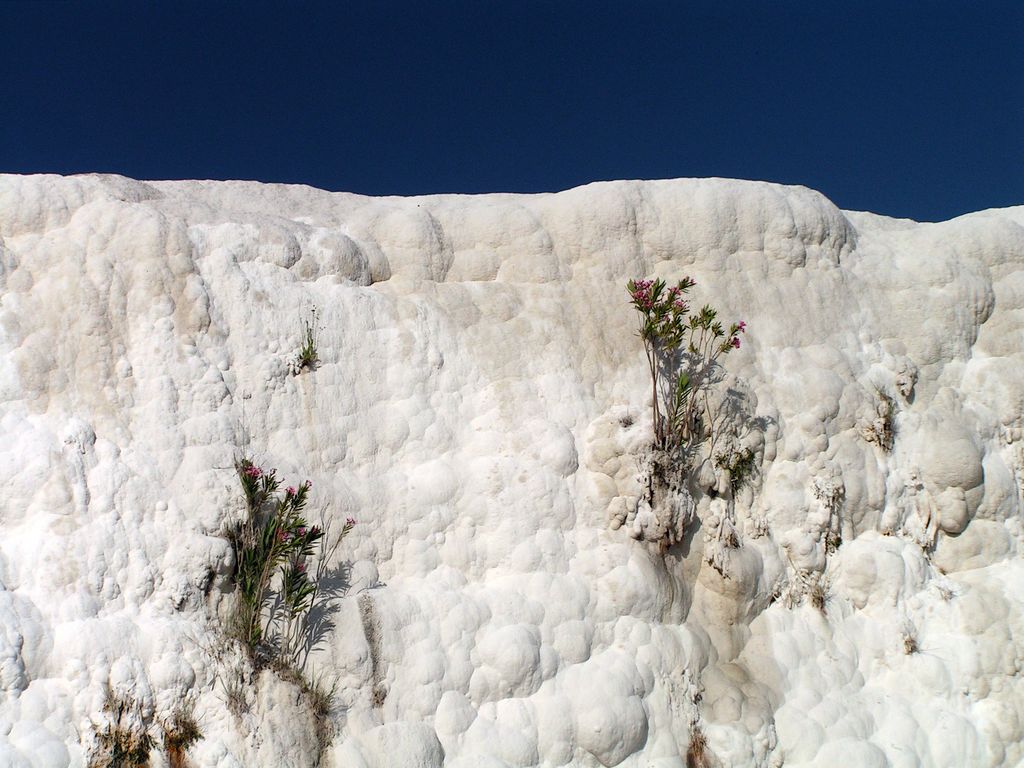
{"x": 905, "y": 108}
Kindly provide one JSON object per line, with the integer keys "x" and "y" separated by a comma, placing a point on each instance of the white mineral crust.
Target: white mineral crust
{"x": 481, "y": 407}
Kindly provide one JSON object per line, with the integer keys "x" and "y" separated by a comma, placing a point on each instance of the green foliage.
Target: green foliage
{"x": 274, "y": 545}
{"x": 308, "y": 357}
{"x": 662, "y": 309}
{"x": 673, "y": 337}
{"x": 273, "y": 541}
{"x": 681, "y": 393}
{"x": 740, "y": 465}
{"x": 277, "y": 591}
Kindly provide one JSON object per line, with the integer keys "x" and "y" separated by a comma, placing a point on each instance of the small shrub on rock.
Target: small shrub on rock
{"x": 181, "y": 731}
{"x": 739, "y": 464}
{"x": 307, "y": 356}
{"x": 274, "y": 545}
{"x": 682, "y": 349}
{"x": 881, "y": 429}
{"x": 123, "y": 741}
{"x": 274, "y": 548}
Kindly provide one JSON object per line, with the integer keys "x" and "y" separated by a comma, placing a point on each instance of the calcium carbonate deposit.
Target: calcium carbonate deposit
{"x": 481, "y": 406}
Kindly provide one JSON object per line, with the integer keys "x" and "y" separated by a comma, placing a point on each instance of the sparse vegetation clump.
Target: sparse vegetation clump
{"x": 180, "y": 732}
{"x": 881, "y": 429}
{"x": 830, "y": 493}
{"x": 804, "y": 586}
{"x": 307, "y": 356}
{"x": 908, "y": 638}
{"x": 319, "y": 697}
{"x": 909, "y": 643}
{"x": 697, "y": 755}
{"x": 124, "y": 740}
{"x": 739, "y": 464}
{"x": 236, "y": 693}
{"x": 321, "y": 701}
{"x": 818, "y": 594}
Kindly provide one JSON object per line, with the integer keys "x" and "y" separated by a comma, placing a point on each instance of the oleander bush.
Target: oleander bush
{"x": 274, "y": 548}
{"x": 696, "y": 429}
{"x": 282, "y": 581}
{"x": 682, "y": 349}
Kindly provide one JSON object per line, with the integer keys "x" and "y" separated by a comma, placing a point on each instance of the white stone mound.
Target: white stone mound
{"x": 481, "y": 406}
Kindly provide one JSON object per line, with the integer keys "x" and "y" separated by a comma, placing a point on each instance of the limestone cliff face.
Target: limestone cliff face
{"x": 481, "y": 407}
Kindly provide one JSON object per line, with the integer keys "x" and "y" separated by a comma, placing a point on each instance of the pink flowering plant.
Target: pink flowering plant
{"x": 273, "y": 546}
{"x": 682, "y": 350}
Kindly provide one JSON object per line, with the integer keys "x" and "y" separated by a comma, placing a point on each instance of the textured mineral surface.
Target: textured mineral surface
{"x": 481, "y": 406}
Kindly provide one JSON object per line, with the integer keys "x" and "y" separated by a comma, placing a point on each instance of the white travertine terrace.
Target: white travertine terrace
{"x": 481, "y": 408}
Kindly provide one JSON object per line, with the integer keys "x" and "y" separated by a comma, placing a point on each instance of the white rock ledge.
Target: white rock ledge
{"x": 479, "y": 406}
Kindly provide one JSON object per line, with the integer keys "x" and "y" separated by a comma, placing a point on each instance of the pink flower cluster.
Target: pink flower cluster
{"x": 290, "y": 490}
{"x": 734, "y": 342}
{"x": 253, "y": 472}
{"x": 285, "y": 535}
{"x": 675, "y": 295}
{"x": 642, "y": 293}
{"x": 350, "y": 521}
